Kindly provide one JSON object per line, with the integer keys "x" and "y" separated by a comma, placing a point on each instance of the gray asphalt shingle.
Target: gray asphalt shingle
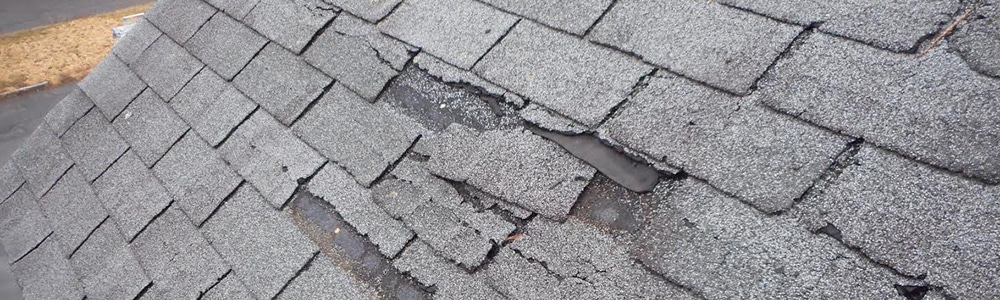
{"x": 177, "y": 257}
{"x": 73, "y": 210}
{"x": 225, "y": 45}
{"x": 68, "y": 111}
{"x": 457, "y": 31}
{"x": 166, "y": 67}
{"x": 441, "y": 228}
{"x": 179, "y": 19}
{"x": 740, "y": 49}
{"x": 196, "y": 176}
{"x": 451, "y": 281}
{"x": 150, "y": 127}
{"x": 22, "y": 225}
{"x": 107, "y": 266}
{"x": 270, "y": 157}
{"x": 978, "y": 41}
{"x": 41, "y": 160}
{"x": 324, "y": 280}
{"x": 93, "y": 144}
{"x": 281, "y": 83}
{"x": 357, "y": 55}
{"x": 371, "y": 11}
{"x": 578, "y": 79}
{"x": 46, "y": 274}
{"x": 10, "y": 180}
{"x": 112, "y": 98}
{"x": 131, "y": 194}
{"x": 920, "y": 221}
{"x": 238, "y": 9}
{"x": 932, "y": 108}
{"x": 572, "y": 16}
{"x": 263, "y": 247}
{"x": 212, "y": 106}
{"x": 290, "y": 23}
{"x": 364, "y": 138}
{"x": 763, "y": 157}
{"x": 130, "y": 47}
{"x": 228, "y": 288}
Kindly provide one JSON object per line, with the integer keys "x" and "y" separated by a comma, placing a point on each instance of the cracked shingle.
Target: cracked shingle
{"x": 150, "y": 127}
{"x": 573, "y": 16}
{"x": 166, "y": 67}
{"x": 131, "y": 194}
{"x": 457, "y": 31}
{"x": 261, "y": 244}
{"x": 364, "y": 138}
{"x": 281, "y": 83}
{"x": 73, "y": 210}
{"x": 225, "y": 45}
{"x": 720, "y": 46}
{"x": 46, "y": 274}
{"x": 70, "y": 109}
{"x": 107, "y": 267}
{"x": 177, "y": 257}
{"x": 270, "y": 157}
{"x": 179, "y": 19}
{"x": 93, "y": 144}
{"x": 932, "y": 108}
{"x": 212, "y": 106}
{"x": 112, "y": 98}
{"x": 41, "y": 160}
{"x": 196, "y": 176}
{"x": 559, "y": 71}
{"x": 22, "y": 225}
{"x": 291, "y": 23}
{"x": 763, "y": 157}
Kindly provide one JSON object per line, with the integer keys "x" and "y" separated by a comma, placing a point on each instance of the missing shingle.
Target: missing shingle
{"x": 632, "y": 173}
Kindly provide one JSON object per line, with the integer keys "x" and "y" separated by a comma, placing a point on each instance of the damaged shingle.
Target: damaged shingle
{"x": 291, "y": 23}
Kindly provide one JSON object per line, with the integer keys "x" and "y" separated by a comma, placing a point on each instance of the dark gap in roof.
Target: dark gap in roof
{"x": 609, "y": 205}
{"x": 632, "y": 173}
{"x": 437, "y": 104}
{"x": 911, "y": 292}
{"x": 832, "y": 231}
{"x": 340, "y": 242}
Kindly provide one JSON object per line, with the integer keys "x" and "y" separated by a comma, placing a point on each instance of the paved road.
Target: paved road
{"x": 23, "y": 14}
{"x": 21, "y": 114}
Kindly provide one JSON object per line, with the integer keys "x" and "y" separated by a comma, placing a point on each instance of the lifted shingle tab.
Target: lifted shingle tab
{"x": 281, "y": 83}
{"x": 196, "y": 176}
{"x": 112, "y": 98}
{"x": 73, "y": 210}
{"x": 166, "y": 67}
{"x": 107, "y": 266}
{"x": 225, "y": 45}
{"x": 177, "y": 257}
{"x": 93, "y": 144}
{"x": 212, "y": 106}
{"x": 179, "y": 19}
{"x": 291, "y": 23}
{"x": 150, "y": 127}
{"x": 131, "y": 194}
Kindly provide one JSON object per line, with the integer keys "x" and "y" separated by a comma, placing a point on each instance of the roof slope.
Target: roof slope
{"x": 460, "y": 149}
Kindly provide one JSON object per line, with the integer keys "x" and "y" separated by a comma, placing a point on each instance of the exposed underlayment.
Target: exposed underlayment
{"x": 486, "y": 149}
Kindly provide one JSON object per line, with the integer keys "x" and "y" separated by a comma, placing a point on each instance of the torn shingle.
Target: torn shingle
{"x": 281, "y": 83}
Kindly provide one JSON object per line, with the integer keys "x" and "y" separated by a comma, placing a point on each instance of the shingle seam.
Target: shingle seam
{"x": 174, "y": 143}
{"x": 843, "y": 159}
{"x": 495, "y": 43}
{"x": 639, "y": 85}
{"x": 143, "y": 292}
{"x": 151, "y": 220}
{"x": 313, "y": 102}
{"x": 19, "y": 186}
{"x": 302, "y": 183}
{"x": 91, "y": 182}
{"x": 76, "y": 120}
{"x": 219, "y": 280}
{"x": 320, "y": 32}
{"x": 64, "y": 172}
{"x": 33, "y": 248}
{"x": 690, "y": 290}
{"x": 600, "y": 18}
{"x": 233, "y": 130}
{"x": 386, "y": 16}
{"x": 298, "y": 273}
{"x": 392, "y": 166}
{"x": 385, "y": 88}
{"x": 792, "y": 45}
{"x": 244, "y": 67}
{"x": 223, "y": 202}
{"x": 91, "y": 233}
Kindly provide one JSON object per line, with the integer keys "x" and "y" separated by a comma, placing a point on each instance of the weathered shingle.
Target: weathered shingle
{"x": 452, "y": 282}
{"x": 131, "y": 194}
{"x": 150, "y": 127}
{"x": 324, "y": 280}
{"x": 41, "y": 160}
{"x": 130, "y": 47}
{"x": 290, "y": 23}
{"x": 22, "y": 225}
{"x": 73, "y": 210}
{"x": 228, "y": 288}
{"x": 177, "y": 257}
{"x": 270, "y": 157}
{"x": 46, "y": 274}
{"x": 212, "y": 106}
{"x": 281, "y": 83}
{"x": 979, "y": 40}
{"x": 362, "y": 137}
{"x": 112, "y": 98}
{"x": 573, "y": 16}
{"x": 107, "y": 266}
{"x": 457, "y": 31}
{"x": 225, "y": 45}
{"x": 196, "y": 176}
{"x": 68, "y": 111}
{"x": 263, "y": 247}
{"x": 166, "y": 67}
{"x": 179, "y": 19}
{"x": 93, "y": 144}
{"x": 578, "y": 79}
{"x": 371, "y": 11}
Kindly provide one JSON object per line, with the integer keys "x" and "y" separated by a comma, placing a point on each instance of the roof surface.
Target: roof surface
{"x": 458, "y": 149}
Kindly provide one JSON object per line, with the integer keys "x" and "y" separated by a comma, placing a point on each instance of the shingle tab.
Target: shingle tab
{"x": 22, "y": 225}
{"x": 281, "y": 83}
{"x": 441, "y": 228}
{"x": 355, "y": 204}
{"x": 225, "y": 45}
{"x": 371, "y": 11}
{"x": 978, "y": 41}
{"x": 196, "y": 176}
{"x": 93, "y": 144}
{"x": 324, "y": 280}
{"x": 179, "y": 19}
{"x": 457, "y": 31}
{"x": 107, "y": 267}
{"x": 573, "y": 16}
{"x": 212, "y": 106}
{"x": 46, "y": 274}
{"x": 41, "y": 160}
{"x": 739, "y": 49}
{"x": 898, "y": 25}
{"x": 907, "y": 216}
{"x": 362, "y": 137}
{"x": 130, "y": 47}
{"x": 131, "y": 194}
{"x": 270, "y": 157}
{"x": 112, "y": 98}
{"x": 238, "y": 9}
{"x": 737, "y": 145}
{"x": 72, "y": 209}
{"x": 150, "y": 127}
{"x": 358, "y": 56}
{"x": 263, "y": 247}
{"x": 228, "y": 288}
{"x": 513, "y": 164}
{"x": 291, "y": 23}
{"x": 578, "y": 79}
{"x": 420, "y": 261}
{"x": 10, "y": 180}
{"x": 68, "y": 111}
{"x": 177, "y": 257}
{"x": 166, "y": 67}
{"x": 932, "y": 108}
